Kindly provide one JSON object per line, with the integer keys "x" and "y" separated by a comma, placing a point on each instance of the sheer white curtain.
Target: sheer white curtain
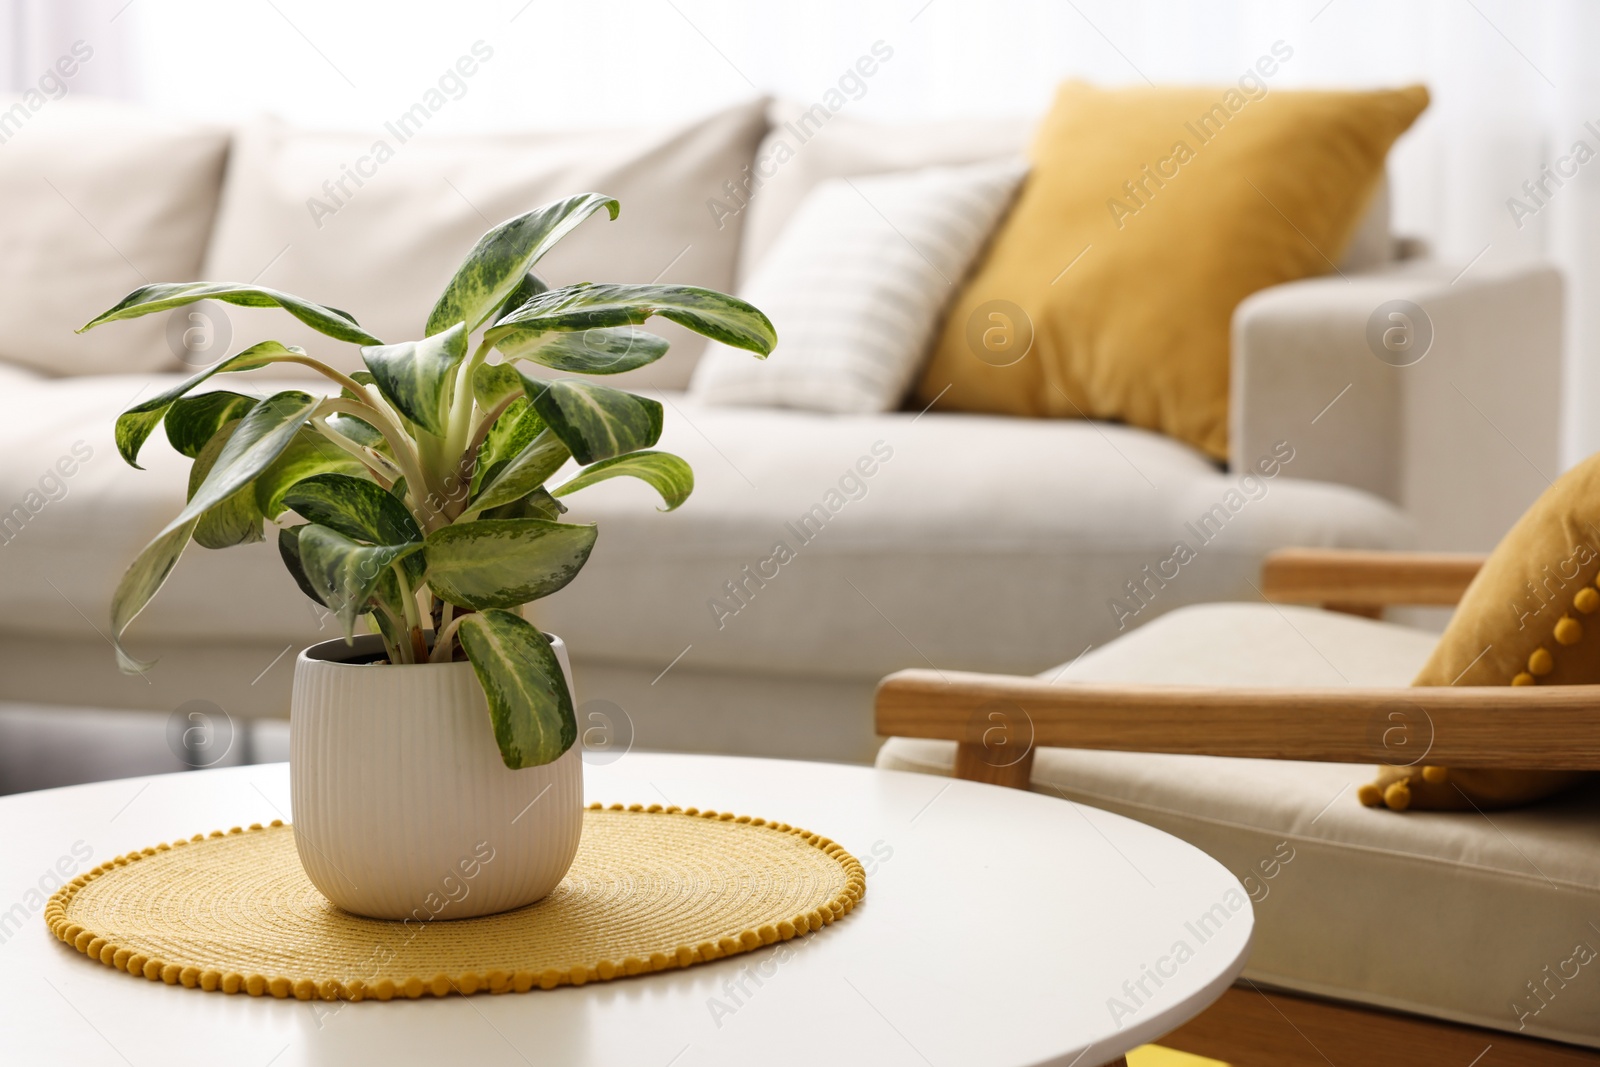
{"x": 37, "y": 44}
{"x": 1513, "y": 82}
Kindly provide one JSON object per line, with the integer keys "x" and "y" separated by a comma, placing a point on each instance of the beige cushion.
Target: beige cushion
{"x": 857, "y": 286}
{"x": 100, "y": 198}
{"x": 1442, "y": 914}
{"x": 387, "y": 249}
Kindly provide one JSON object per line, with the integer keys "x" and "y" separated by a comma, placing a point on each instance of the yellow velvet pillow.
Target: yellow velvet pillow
{"x": 1148, "y": 215}
{"x": 1528, "y": 618}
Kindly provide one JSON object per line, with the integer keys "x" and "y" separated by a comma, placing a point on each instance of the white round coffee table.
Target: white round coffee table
{"x": 999, "y": 928}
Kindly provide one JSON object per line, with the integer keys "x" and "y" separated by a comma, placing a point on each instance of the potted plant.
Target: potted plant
{"x": 433, "y": 767}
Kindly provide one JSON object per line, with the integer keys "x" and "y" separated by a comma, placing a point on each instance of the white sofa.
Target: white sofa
{"x": 980, "y": 543}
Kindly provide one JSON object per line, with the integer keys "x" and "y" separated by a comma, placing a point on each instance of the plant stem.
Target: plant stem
{"x": 326, "y": 371}
{"x": 397, "y": 654}
{"x": 365, "y": 409}
{"x": 485, "y": 425}
{"x": 444, "y": 642}
{"x": 408, "y": 598}
{"x": 374, "y": 461}
{"x": 431, "y": 455}
{"x": 404, "y": 455}
{"x": 408, "y": 604}
{"x": 468, "y": 464}
{"x": 462, "y": 403}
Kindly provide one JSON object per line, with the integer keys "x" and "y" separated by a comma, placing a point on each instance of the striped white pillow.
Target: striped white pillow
{"x": 856, "y": 285}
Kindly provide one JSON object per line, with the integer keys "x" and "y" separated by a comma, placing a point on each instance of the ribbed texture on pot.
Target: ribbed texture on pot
{"x": 402, "y": 806}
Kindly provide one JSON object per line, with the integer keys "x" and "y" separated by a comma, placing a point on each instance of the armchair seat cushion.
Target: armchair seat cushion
{"x": 1482, "y": 919}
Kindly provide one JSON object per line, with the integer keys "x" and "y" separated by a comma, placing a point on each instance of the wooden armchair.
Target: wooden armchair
{"x": 1556, "y": 727}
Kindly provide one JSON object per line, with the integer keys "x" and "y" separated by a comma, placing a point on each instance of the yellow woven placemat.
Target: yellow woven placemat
{"x": 651, "y": 889}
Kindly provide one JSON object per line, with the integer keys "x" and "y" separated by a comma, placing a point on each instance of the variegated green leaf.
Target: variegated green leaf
{"x": 504, "y": 563}
{"x": 289, "y": 550}
{"x": 610, "y": 350}
{"x": 235, "y": 521}
{"x": 596, "y": 421}
{"x": 530, "y": 286}
{"x": 499, "y": 263}
{"x": 135, "y": 424}
{"x": 260, "y": 437}
{"x": 163, "y": 296}
{"x": 144, "y": 576}
{"x": 418, "y": 377}
{"x": 359, "y": 509}
{"x": 513, "y": 431}
{"x": 667, "y": 474}
{"x": 522, "y": 474}
{"x": 355, "y": 507}
{"x": 386, "y": 612}
{"x": 194, "y": 420}
{"x": 360, "y": 431}
{"x": 527, "y": 694}
{"x": 585, "y": 307}
{"x": 538, "y": 504}
{"x": 386, "y": 594}
{"x": 345, "y": 573}
{"x": 495, "y": 383}
{"x": 308, "y": 454}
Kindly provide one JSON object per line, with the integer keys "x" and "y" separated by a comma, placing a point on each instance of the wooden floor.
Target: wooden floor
{"x": 1251, "y": 1027}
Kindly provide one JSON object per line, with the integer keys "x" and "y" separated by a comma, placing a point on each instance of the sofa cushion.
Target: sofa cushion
{"x": 857, "y": 285}
{"x": 101, "y": 197}
{"x": 1408, "y": 914}
{"x": 979, "y": 543}
{"x": 1138, "y": 331}
{"x": 382, "y": 244}
{"x": 945, "y": 537}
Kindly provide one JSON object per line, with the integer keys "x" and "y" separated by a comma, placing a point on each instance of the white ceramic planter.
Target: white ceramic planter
{"x": 402, "y": 806}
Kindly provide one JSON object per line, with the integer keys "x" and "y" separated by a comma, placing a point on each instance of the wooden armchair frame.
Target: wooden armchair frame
{"x": 997, "y": 721}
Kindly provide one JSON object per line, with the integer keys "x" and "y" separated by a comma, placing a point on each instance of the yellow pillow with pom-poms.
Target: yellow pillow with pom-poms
{"x": 1528, "y": 618}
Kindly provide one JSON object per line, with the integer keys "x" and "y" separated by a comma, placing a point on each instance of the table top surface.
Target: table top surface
{"x": 999, "y": 927}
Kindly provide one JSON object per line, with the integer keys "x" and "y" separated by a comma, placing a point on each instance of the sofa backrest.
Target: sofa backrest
{"x": 805, "y": 146}
{"x": 100, "y": 198}
{"x": 375, "y": 224}
{"x": 103, "y": 197}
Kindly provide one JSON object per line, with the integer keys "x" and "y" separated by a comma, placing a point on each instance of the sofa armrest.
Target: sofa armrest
{"x": 1540, "y": 727}
{"x": 1481, "y": 408}
{"x": 1347, "y": 576}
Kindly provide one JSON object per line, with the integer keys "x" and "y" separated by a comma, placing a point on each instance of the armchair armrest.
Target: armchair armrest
{"x": 1466, "y": 413}
{"x": 1341, "y": 577}
{"x": 1536, "y": 727}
